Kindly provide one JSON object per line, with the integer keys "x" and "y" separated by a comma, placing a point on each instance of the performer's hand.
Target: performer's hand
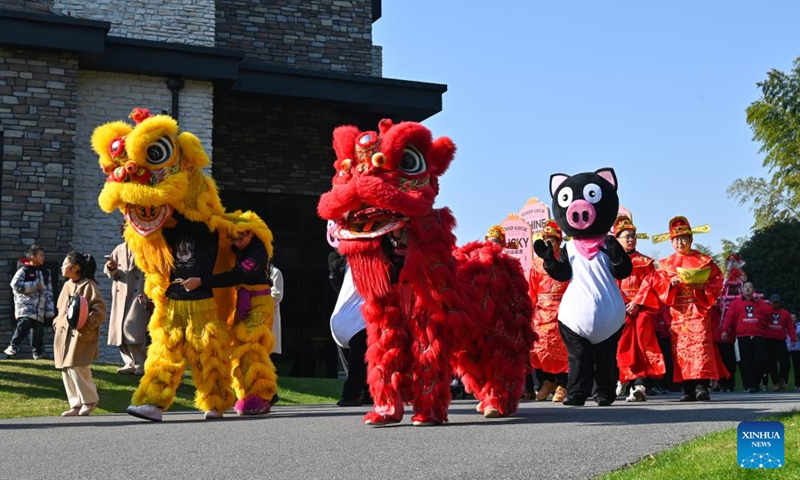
{"x": 544, "y": 250}
{"x": 614, "y": 249}
{"x": 675, "y": 280}
{"x": 191, "y": 283}
{"x": 724, "y": 335}
{"x": 631, "y": 308}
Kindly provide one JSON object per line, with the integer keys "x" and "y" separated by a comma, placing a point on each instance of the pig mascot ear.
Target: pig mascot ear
{"x": 556, "y": 180}
{"x": 608, "y": 174}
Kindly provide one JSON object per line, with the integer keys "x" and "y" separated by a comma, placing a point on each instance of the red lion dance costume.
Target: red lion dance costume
{"x": 431, "y": 309}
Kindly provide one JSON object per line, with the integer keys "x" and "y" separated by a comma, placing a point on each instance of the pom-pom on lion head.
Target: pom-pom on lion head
{"x": 152, "y": 169}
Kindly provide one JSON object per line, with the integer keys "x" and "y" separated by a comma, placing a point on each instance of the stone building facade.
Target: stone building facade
{"x": 262, "y": 84}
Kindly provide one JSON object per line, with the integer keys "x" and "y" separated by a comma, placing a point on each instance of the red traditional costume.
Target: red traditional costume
{"x": 548, "y": 352}
{"x": 693, "y": 350}
{"x": 638, "y": 353}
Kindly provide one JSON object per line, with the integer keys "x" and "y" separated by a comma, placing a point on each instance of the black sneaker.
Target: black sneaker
{"x": 343, "y": 402}
{"x": 574, "y": 400}
{"x": 702, "y": 394}
{"x": 688, "y": 397}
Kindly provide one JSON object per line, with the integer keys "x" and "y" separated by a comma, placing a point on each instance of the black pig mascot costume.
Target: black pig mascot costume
{"x": 592, "y": 310}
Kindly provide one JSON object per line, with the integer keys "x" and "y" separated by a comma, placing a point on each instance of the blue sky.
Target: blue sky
{"x": 656, "y": 90}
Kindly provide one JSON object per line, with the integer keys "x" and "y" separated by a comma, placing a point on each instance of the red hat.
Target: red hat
{"x": 622, "y": 223}
{"x": 497, "y": 231}
{"x": 679, "y": 226}
{"x": 551, "y": 229}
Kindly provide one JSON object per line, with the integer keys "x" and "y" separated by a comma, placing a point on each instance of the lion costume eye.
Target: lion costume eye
{"x": 412, "y": 163}
{"x": 160, "y": 151}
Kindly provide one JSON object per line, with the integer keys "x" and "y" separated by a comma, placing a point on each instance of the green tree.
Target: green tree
{"x": 772, "y": 256}
{"x": 775, "y": 121}
{"x": 770, "y": 202}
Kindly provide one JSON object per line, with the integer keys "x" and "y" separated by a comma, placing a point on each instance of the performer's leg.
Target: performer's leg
{"x": 433, "y": 373}
{"x": 783, "y": 361}
{"x": 357, "y": 369}
{"x": 581, "y": 366}
{"x": 389, "y": 361}
{"x": 746, "y": 364}
{"x": 771, "y": 361}
{"x": 604, "y": 363}
{"x": 254, "y": 378}
{"x": 165, "y": 365}
{"x": 207, "y": 350}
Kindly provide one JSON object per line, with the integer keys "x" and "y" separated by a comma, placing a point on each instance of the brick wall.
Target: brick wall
{"x": 37, "y": 115}
{"x": 160, "y": 20}
{"x": 289, "y": 152}
{"x": 333, "y": 35}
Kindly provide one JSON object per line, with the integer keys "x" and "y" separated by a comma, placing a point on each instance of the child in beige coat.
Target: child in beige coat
{"x": 75, "y": 349}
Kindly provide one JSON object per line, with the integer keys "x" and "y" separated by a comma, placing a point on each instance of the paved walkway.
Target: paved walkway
{"x": 329, "y": 442}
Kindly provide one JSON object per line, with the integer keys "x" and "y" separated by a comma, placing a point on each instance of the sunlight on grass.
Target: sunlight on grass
{"x": 33, "y": 388}
{"x": 714, "y": 456}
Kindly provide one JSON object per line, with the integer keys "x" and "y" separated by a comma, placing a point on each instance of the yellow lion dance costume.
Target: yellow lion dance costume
{"x": 177, "y": 229}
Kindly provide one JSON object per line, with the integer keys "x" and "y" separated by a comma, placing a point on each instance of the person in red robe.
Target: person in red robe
{"x": 638, "y": 354}
{"x": 548, "y": 353}
{"x": 689, "y": 282}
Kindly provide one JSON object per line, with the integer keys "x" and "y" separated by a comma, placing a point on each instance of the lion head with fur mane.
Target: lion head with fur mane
{"x": 153, "y": 170}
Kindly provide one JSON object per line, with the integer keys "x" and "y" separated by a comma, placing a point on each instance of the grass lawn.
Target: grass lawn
{"x": 33, "y": 388}
{"x": 714, "y": 457}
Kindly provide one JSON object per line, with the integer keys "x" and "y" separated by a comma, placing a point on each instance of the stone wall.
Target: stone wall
{"x": 37, "y": 116}
{"x": 179, "y": 21}
{"x": 98, "y": 98}
{"x": 33, "y": 6}
{"x": 333, "y": 35}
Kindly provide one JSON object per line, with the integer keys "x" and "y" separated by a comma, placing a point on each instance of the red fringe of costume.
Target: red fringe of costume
{"x": 430, "y": 309}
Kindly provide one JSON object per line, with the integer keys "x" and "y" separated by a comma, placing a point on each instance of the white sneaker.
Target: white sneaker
{"x": 637, "y": 394}
{"x": 147, "y": 412}
{"x": 621, "y": 388}
{"x": 11, "y": 351}
{"x": 212, "y": 415}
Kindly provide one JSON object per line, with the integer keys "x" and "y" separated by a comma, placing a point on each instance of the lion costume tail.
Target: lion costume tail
{"x": 492, "y": 357}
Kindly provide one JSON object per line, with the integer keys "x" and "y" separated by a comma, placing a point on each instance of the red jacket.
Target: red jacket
{"x": 746, "y": 318}
{"x": 779, "y": 324}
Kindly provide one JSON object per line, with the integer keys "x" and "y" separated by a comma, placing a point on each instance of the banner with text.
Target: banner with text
{"x": 518, "y": 240}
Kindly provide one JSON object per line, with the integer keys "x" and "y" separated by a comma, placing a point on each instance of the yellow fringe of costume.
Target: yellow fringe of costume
{"x": 188, "y": 333}
{"x": 154, "y": 166}
{"x": 252, "y": 341}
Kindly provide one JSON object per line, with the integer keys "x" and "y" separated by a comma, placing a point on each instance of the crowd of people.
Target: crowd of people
{"x": 675, "y": 336}
{"x": 680, "y": 333}
{"x": 76, "y": 342}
